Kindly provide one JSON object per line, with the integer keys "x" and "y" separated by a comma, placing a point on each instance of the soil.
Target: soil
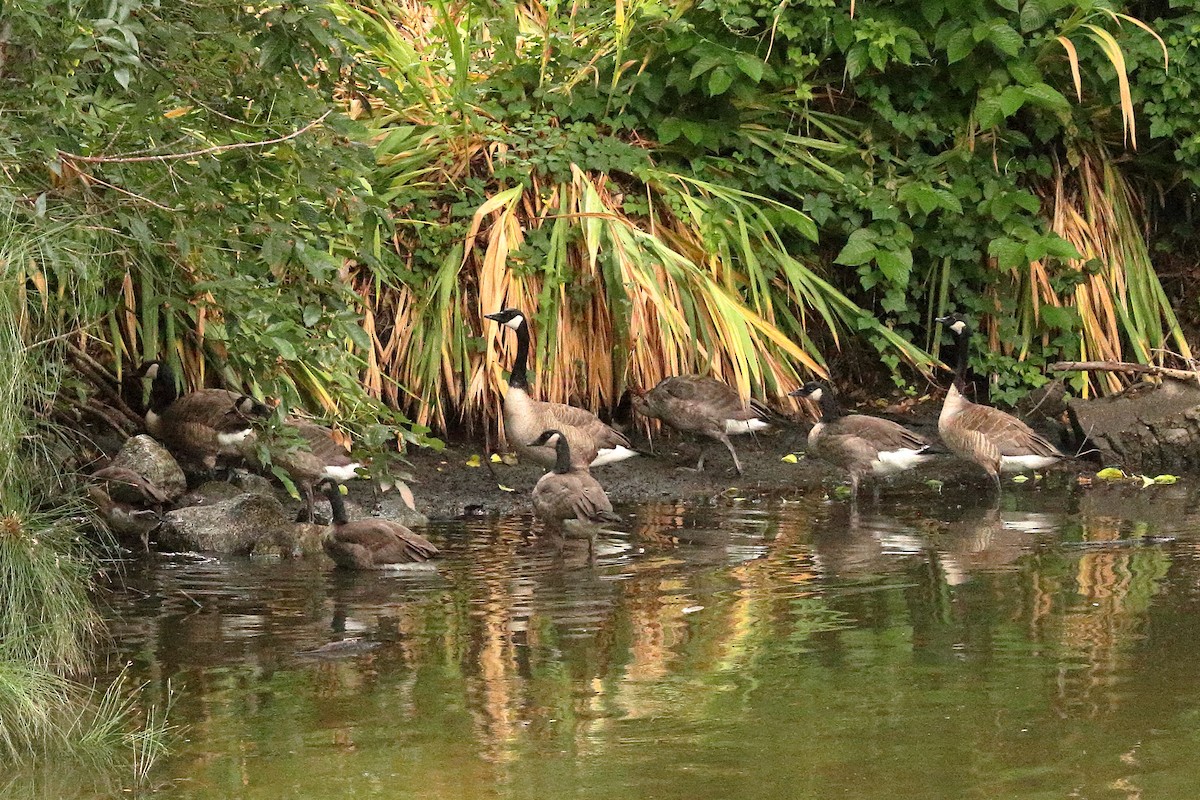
{"x": 446, "y": 487}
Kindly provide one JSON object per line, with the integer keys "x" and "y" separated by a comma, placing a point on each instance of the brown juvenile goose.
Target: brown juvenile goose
{"x": 993, "y": 439}
{"x": 130, "y": 505}
{"x": 858, "y": 443}
{"x": 316, "y": 456}
{"x": 371, "y": 543}
{"x": 592, "y": 443}
{"x": 202, "y": 425}
{"x": 703, "y": 405}
{"x": 568, "y": 498}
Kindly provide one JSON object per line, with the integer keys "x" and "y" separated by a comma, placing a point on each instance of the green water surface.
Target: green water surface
{"x": 751, "y": 647}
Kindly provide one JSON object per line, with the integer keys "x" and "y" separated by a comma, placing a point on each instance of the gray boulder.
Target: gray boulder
{"x": 1147, "y": 428}
{"x": 148, "y": 458}
{"x": 235, "y": 526}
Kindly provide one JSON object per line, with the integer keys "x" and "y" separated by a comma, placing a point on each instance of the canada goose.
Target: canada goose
{"x": 859, "y": 443}
{"x": 202, "y": 425}
{"x": 568, "y": 498}
{"x": 372, "y": 543}
{"x": 129, "y": 504}
{"x": 591, "y": 442}
{"x": 993, "y": 439}
{"x": 703, "y": 405}
{"x": 316, "y": 456}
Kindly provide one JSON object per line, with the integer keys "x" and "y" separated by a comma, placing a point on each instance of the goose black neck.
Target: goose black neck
{"x": 962, "y": 354}
{"x": 163, "y": 391}
{"x": 519, "y": 379}
{"x": 336, "y": 504}
{"x": 831, "y": 409}
{"x": 562, "y": 451}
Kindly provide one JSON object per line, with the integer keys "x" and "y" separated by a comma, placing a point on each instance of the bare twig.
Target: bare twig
{"x": 134, "y": 195}
{"x": 1124, "y": 366}
{"x": 100, "y": 378}
{"x": 220, "y": 148}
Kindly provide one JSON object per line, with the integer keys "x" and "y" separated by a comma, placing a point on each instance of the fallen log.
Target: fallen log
{"x": 1125, "y": 366}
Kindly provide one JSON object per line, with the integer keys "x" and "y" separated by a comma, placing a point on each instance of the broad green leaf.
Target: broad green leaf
{"x": 859, "y": 249}
{"x": 1005, "y": 39}
{"x": 750, "y": 66}
{"x": 720, "y": 80}
{"x": 960, "y": 46}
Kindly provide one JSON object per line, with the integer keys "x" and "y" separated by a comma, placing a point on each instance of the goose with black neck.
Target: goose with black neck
{"x": 592, "y": 443}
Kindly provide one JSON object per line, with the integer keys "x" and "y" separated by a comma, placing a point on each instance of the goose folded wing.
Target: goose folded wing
{"x": 1011, "y": 436}
{"x": 884, "y": 434}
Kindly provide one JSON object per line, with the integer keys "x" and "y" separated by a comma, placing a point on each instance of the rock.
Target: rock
{"x": 210, "y": 493}
{"x": 393, "y": 507}
{"x": 300, "y": 539}
{"x": 235, "y": 526}
{"x": 145, "y": 456}
{"x": 1147, "y": 428}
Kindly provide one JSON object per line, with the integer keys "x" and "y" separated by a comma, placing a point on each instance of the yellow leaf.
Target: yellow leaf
{"x": 474, "y": 461}
{"x": 1020, "y": 478}
{"x": 1146, "y": 481}
{"x": 1166, "y": 479}
{"x": 1111, "y": 474}
{"x": 496, "y": 459}
{"x": 504, "y": 488}
{"x": 790, "y": 458}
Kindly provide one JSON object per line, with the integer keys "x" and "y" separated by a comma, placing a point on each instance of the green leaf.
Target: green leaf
{"x": 720, "y": 80}
{"x": 122, "y": 76}
{"x": 1111, "y": 474}
{"x": 960, "y": 46}
{"x": 1005, "y": 39}
{"x": 859, "y": 249}
{"x": 1011, "y": 100}
{"x": 1046, "y": 96}
{"x": 360, "y": 338}
{"x": 1166, "y": 479}
{"x": 1009, "y": 254}
{"x": 694, "y": 132}
{"x": 669, "y": 130}
{"x": 1034, "y": 15}
{"x": 285, "y": 348}
{"x": 750, "y": 66}
{"x": 895, "y": 264}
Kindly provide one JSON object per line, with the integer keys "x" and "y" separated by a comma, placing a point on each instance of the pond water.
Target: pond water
{"x": 751, "y": 647}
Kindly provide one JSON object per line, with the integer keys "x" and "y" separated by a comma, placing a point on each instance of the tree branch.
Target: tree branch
{"x": 1124, "y": 366}
{"x": 220, "y": 148}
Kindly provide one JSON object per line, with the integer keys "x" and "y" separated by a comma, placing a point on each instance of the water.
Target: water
{"x": 753, "y": 647}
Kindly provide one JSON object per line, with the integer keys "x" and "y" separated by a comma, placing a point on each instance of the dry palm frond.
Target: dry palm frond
{"x": 1124, "y": 312}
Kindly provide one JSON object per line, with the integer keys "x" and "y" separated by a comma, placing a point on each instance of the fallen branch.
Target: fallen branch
{"x": 220, "y": 148}
{"x": 1125, "y": 366}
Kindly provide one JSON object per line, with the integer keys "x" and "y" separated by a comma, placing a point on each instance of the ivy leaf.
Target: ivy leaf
{"x": 694, "y": 132}
{"x": 859, "y": 249}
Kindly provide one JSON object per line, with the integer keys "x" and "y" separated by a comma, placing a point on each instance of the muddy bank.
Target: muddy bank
{"x": 445, "y": 486}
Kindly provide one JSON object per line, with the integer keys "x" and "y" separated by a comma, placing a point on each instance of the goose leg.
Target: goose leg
{"x": 737, "y": 465}
{"x": 854, "y": 491}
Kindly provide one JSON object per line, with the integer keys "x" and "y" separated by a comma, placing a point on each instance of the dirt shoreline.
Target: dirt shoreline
{"x": 446, "y": 487}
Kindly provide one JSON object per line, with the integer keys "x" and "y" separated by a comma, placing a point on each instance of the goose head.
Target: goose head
{"x": 509, "y": 317}
{"x": 812, "y": 390}
{"x": 547, "y": 438}
{"x": 958, "y": 325}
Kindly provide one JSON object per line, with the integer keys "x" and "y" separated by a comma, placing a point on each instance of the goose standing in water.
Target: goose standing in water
{"x": 371, "y": 543}
{"x": 592, "y": 443}
{"x": 858, "y": 443}
{"x": 993, "y": 439}
{"x": 703, "y": 405}
{"x": 568, "y": 498}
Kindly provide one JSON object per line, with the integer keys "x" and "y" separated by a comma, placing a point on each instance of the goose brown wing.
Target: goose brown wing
{"x": 321, "y": 443}
{"x": 972, "y": 445}
{"x": 846, "y": 449}
{"x": 1011, "y": 436}
{"x": 388, "y": 542}
{"x": 591, "y": 502}
{"x": 882, "y": 434}
{"x": 560, "y": 416}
